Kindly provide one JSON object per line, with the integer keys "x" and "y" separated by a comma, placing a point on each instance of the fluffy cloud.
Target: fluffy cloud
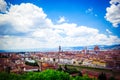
{"x": 108, "y": 31}
{"x": 26, "y": 26}
{"x": 61, "y": 20}
{"x": 113, "y": 13}
{"x": 89, "y": 11}
{"x": 24, "y": 18}
{"x": 10, "y": 42}
{"x": 3, "y": 6}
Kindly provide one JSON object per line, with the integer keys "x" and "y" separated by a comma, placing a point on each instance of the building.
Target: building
{"x": 96, "y": 49}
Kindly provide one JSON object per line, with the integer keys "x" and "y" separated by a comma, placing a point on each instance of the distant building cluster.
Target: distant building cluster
{"x": 38, "y": 61}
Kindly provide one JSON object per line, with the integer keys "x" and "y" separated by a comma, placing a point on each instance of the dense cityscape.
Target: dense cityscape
{"x": 107, "y": 61}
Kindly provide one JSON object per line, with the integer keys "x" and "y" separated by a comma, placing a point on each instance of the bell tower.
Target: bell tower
{"x": 59, "y": 48}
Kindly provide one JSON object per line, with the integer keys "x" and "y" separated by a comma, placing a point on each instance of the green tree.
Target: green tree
{"x": 60, "y": 68}
{"x": 7, "y": 69}
{"x": 65, "y": 67}
{"x": 44, "y": 75}
{"x": 80, "y": 73}
{"x": 112, "y": 78}
{"x": 102, "y": 76}
{"x": 85, "y": 77}
{"x": 50, "y": 75}
{"x": 31, "y": 64}
{"x": 9, "y": 76}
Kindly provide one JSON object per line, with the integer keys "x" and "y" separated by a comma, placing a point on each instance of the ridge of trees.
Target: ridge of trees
{"x": 44, "y": 75}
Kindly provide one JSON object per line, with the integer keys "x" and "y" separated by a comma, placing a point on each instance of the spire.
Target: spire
{"x": 59, "y": 48}
{"x": 86, "y": 50}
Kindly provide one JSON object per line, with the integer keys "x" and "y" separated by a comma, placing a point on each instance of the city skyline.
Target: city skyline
{"x": 29, "y": 24}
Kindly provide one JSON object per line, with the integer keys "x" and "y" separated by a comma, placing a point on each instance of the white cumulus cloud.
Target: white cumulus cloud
{"x": 26, "y": 26}
{"x": 25, "y": 17}
{"x": 113, "y": 13}
{"x": 9, "y": 42}
{"x": 108, "y": 31}
{"x": 61, "y": 20}
{"x": 3, "y": 6}
{"x": 89, "y": 11}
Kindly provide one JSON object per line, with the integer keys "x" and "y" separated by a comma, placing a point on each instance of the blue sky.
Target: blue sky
{"x": 32, "y": 24}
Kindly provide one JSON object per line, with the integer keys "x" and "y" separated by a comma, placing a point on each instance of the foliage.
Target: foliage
{"x": 80, "y": 73}
{"x": 31, "y": 64}
{"x": 69, "y": 70}
{"x": 65, "y": 67}
{"x": 85, "y": 77}
{"x": 102, "y": 76}
{"x": 44, "y": 75}
{"x": 48, "y": 75}
{"x": 11, "y": 76}
{"x": 112, "y": 78}
{"x": 7, "y": 69}
{"x": 91, "y": 68}
{"x": 60, "y": 68}
{"x": 72, "y": 71}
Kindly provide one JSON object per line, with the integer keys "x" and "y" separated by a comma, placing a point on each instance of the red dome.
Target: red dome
{"x": 96, "y": 48}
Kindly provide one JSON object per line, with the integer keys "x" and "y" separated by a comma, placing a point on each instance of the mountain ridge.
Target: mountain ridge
{"x": 75, "y": 48}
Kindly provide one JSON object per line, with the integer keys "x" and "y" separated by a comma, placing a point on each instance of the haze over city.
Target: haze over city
{"x": 31, "y": 24}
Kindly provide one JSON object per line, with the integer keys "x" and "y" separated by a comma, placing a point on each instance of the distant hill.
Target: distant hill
{"x": 76, "y": 48}
{"x": 102, "y": 47}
